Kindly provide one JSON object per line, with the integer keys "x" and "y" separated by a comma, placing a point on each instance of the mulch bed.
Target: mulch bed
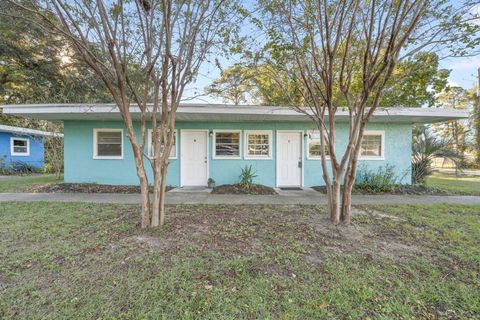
{"x": 90, "y": 188}
{"x": 256, "y": 189}
{"x": 400, "y": 189}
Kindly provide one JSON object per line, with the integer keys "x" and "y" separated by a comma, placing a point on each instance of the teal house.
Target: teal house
{"x": 217, "y": 141}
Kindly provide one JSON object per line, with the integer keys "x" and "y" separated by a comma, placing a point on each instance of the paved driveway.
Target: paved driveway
{"x": 191, "y": 197}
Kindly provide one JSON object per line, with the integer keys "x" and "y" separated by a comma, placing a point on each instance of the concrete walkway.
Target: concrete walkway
{"x": 195, "y": 197}
{"x": 463, "y": 172}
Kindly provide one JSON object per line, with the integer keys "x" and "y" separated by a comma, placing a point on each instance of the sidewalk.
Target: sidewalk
{"x": 462, "y": 172}
{"x": 284, "y": 197}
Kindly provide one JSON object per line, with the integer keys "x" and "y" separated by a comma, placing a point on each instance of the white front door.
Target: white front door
{"x": 194, "y": 158}
{"x": 289, "y": 159}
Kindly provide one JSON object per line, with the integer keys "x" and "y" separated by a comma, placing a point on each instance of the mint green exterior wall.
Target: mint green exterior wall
{"x": 80, "y": 167}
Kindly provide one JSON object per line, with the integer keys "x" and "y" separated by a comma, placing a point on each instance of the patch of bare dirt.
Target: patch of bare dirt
{"x": 357, "y": 238}
{"x": 251, "y": 230}
{"x": 241, "y": 231}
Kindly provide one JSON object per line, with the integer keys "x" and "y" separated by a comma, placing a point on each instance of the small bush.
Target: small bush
{"x": 3, "y": 165}
{"x": 247, "y": 176}
{"x": 382, "y": 179}
{"x": 18, "y": 167}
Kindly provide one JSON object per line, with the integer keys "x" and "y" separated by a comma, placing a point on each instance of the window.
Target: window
{"x": 227, "y": 144}
{"x": 19, "y": 146}
{"x": 108, "y": 143}
{"x": 314, "y": 151}
{"x": 258, "y": 144}
{"x": 372, "y": 146}
{"x": 173, "y": 152}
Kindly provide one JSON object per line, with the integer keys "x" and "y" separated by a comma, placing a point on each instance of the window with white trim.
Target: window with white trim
{"x": 173, "y": 151}
{"x": 19, "y": 146}
{"x": 108, "y": 143}
{"x": 314, "y": 145}
{"x": 258, "y": 144}
{"x": 372, "y": 145}
{"x": 227, "y": 144}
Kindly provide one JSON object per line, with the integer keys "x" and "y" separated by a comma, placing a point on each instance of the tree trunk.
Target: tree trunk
{"x": 347, "y": 198}
{"x": 157, "y": 194}
{"x": 145, "y": 198}
{"x": 159, "y": 188}
{"x": 163, "y": 194}
{"x": 349, "y": 179}
{"x": 333, "y": 194}
{"x": 142, "y": 176}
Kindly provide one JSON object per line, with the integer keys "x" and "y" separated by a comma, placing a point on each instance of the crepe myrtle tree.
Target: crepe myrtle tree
{"x": 145, "y": 52}
{"x": 343, "y": 53}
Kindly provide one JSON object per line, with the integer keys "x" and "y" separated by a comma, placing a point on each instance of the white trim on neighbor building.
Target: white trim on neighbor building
{"x": 29, "y": 132}
{"x": 214, "y": 145}
{"x": 174, "y": 147}
{"x": 246, "y": 155}
{"x": 380, "y": 133}
{"x": 19, "y": 154}
{"x": 95, "y": 144}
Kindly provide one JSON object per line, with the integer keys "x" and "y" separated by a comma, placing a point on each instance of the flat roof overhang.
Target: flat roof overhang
{"x": 224, "y": 113}
{"x": 29, "y": 132}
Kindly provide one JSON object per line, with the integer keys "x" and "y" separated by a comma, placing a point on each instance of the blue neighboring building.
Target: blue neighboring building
{"x": 21, "y": 146}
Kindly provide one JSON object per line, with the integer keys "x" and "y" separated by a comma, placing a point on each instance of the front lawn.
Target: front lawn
{"x": 86, "y": 261}
{"x": 27, "y": 183}
{"x": 452, "y": 183}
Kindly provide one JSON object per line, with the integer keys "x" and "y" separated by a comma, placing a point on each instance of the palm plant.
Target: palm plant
{"x": 247, "y": 176}
{"x": 426, "y": 147}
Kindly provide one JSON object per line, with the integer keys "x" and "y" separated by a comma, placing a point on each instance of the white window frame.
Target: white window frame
{"x": 95, "y": 144}
{"x": 374, "y": 133}
{"x": 19, "y": 154}
{"x": 256, "y": 157}
{"x": 149, "y": 147}
{"x": 309, "y": 157}
{"x": 214, "y": 145}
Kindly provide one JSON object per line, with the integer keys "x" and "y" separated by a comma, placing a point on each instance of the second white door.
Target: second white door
{"x": 289, "y": 159}
{"x": 194, "y": 158}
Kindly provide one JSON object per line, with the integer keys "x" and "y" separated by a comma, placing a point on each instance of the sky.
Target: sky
{"x": 463, "y": 72}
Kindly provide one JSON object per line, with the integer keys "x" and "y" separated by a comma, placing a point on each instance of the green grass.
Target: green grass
{"x": 455, "y": 184}
{"x": 26, "y": 183}
{"x": 86, "y": 261}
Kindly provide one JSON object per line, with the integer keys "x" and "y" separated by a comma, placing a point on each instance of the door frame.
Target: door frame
{"x": 302, "y": 147}
{"x": 207, "y": 141}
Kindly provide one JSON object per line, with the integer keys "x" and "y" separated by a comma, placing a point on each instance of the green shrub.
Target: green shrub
{"x": 24, "y": 167}
{"x": 3, "y": 165}
{"x": 247, "y": 176}
{"x": 382, "y": 179}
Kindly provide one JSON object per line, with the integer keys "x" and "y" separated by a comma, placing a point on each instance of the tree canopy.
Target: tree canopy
{"x": 38, "y": 66}
{"x": 415, "y": 82}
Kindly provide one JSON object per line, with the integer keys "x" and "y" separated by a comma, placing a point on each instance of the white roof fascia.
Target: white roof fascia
{"x": 29, "y": 132}
{"x": 222, "y": 112}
